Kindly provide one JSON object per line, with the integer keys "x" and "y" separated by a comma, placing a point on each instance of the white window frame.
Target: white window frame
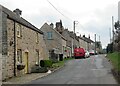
{"x": 37, "y": 57}
{"x": 49, "y": 35}
{"x": 37, "y": 37}
{"x": 19, "y": 55}
{"x": 19, "y": 31}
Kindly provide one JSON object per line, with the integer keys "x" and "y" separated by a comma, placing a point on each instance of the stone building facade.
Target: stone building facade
{"x": 86, "y": 43}
{"x": 69, "y": 46}
{"x": 22, "y": 44}
{"x": 55, "y": 42}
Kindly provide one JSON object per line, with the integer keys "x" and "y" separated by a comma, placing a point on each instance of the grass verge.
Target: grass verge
{"x": 115, "y": 60}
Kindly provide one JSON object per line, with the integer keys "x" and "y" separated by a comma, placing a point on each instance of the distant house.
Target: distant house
{"x": 55, "y": 42}
{"x": 82, "y": 42}
{"x": 21, "y": 43}
{"x": 98, "y": 47}
{"x": 75, "y": 39}
{"x": 72, "y": 39}
{"x": 69, "y": 42}
{"x": 86, "y": 43}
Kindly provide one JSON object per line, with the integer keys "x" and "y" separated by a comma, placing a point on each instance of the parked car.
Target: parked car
{"x": 79, "y": 53}
{"x": 87, "y": 54}
{"x": 92, "y": 52}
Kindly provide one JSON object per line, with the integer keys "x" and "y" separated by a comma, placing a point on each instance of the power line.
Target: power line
{"x": 63, "y": 14}
{"x": 58, "y": 10}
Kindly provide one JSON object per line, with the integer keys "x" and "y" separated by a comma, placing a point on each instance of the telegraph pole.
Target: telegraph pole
{"x": 74, "y": 35}
{"x": 73, "y": 41}
{"x": 74, "y": 23}
{"x": 113, "y": 31}
{"x": 74, "y": 26}
{"x": 110, "y": 34}
{"x": 95, "y": 44}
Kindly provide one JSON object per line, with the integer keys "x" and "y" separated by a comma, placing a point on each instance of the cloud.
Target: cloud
{"x": 100, "y": 23}
{"x": 94, "y": 16}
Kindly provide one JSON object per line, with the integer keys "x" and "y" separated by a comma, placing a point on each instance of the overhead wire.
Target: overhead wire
{"x": 63, "y": 14}
{"x": 58, "y": 10}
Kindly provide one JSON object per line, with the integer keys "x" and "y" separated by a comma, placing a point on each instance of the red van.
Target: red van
{"x": 79, "y": 52}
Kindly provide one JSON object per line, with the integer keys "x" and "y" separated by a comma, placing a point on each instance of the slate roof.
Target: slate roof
{"x": 72, "y": 35}
{"x": 88, "y": 40}
{"x": 13, "y": 16}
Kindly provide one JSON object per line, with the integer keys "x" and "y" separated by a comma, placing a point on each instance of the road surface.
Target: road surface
{"x": 93, "y": 70}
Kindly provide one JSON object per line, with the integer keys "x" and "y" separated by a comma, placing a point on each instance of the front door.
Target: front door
{"x": 26, "y": 62}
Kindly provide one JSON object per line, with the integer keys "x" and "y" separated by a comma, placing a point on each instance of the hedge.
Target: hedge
{"x": 46, "y": 63}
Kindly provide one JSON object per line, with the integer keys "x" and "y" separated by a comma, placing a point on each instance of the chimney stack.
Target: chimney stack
{"x": 83, "y": 35}
{"x": 18, "y": 12}
{"x": 52, "y": 25}
{"x": 89, "y": 36}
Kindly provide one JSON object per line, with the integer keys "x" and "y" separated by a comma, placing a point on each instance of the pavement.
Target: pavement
{"x": 28, "y": 77}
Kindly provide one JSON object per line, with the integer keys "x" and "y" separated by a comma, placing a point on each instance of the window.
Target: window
{"x": 37, "y": 38}
{"x": 37, "y": 57}
{"x": 49, "y": 35}
{"x": 19, "y": 31}
{"x": 19, "y": 55}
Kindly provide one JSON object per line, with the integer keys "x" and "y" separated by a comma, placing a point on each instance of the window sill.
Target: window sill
{"x": 50, "y": 39}
{"x": 20, "y": 37}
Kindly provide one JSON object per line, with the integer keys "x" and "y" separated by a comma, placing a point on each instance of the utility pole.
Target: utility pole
{"x": 74, "y": 23}
{"x": 110, "y": 34}
{"x": 73, "y": 41}
{"x": 74, "y": 26}
{"x": 74, "y": 35}
{"x": 113, "y": 30}
{"x": 95, "y": 44}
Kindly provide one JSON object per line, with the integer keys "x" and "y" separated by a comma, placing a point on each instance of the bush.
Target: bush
{"x": 46, "y": 63}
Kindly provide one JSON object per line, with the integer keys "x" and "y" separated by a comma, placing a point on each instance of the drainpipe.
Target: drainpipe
{"x": 14, "y": 50}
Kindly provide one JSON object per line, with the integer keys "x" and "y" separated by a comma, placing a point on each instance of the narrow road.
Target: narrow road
{"x": 92, "y": 70}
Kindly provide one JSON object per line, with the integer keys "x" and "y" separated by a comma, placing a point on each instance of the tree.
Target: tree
{"x": 110, "y": 48}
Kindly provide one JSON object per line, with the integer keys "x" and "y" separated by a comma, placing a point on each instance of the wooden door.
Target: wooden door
{"x": 26, "y": 62}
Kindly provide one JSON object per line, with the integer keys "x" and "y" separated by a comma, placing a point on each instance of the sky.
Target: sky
{"x": 91, "y": 16}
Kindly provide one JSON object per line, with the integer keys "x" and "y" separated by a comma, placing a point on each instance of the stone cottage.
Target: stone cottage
{"x": 21, "y": 44}
{"x": 55, "y": 42}
{"x": 86, "y": 43}
{"x": 69, "y": 43}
